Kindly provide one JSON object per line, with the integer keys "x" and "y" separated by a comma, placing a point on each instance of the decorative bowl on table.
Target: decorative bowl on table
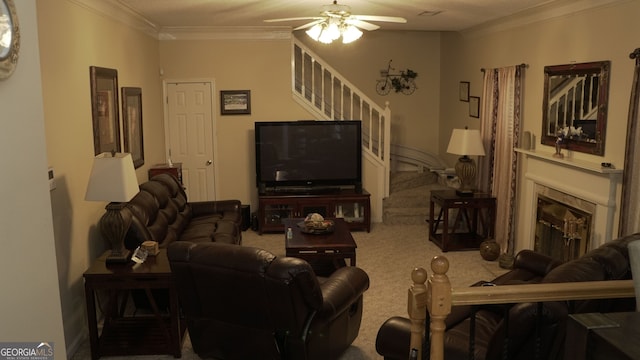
{"x": 316, "y": 224}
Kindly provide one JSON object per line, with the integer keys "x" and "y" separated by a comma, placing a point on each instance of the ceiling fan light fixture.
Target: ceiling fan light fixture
{"x": 350, "y": 34}
{"x": 333, "y": 30}
{"x": 315, "y": 31}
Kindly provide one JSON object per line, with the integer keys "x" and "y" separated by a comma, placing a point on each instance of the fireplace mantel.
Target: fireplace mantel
{"x": 566, "y": 161}
{"x": 585, "y": 180}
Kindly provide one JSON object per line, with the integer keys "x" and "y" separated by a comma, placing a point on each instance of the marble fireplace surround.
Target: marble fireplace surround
{"x": 574, "y": 181}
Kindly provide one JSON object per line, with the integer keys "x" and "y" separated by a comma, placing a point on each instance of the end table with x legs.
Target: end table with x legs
{"x": 107, "y": 289}
{"x": 473, "y": 219}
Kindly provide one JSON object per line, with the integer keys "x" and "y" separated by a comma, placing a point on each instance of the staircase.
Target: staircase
{"x": 408, "y": 201}
{"x": 330, "y": 96}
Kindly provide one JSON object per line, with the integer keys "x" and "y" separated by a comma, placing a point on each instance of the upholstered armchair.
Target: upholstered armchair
{"x": 246, "y": 303}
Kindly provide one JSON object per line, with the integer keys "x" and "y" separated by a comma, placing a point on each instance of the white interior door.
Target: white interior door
{"x": 190, "y": 137}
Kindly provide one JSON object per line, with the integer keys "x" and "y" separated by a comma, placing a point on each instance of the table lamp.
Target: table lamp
{"x": 466, "y": 142}
{"x": 113, "y": 178}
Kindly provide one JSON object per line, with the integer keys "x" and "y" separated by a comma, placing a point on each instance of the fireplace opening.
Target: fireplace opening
{"x": 562, "y": 231}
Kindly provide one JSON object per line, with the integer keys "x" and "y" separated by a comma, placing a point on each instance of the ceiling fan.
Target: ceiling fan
{"x": 336, "y": 20}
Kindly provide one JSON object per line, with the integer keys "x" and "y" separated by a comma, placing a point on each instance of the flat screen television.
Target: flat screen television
{"x": 309, "y": 154}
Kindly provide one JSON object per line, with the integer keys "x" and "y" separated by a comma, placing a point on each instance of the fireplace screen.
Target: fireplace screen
{"x": 562, "y": 231}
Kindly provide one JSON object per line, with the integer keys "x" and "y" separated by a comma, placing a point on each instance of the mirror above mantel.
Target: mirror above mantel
{"x": 574, "y": 107}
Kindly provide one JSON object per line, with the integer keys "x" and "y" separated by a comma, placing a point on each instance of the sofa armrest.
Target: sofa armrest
{"x": 230, "y": 209}
{"x": 535, "y": 262}
{"x": 341, "y": 289}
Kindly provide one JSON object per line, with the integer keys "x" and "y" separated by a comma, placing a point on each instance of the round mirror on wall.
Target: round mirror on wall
{"x": 9, "y": 38}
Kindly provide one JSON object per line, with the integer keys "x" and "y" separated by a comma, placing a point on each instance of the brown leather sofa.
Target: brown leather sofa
{"x": 520, "y": 333}
{"x": 246, "y": 303}
{"x": 162, "y": 213}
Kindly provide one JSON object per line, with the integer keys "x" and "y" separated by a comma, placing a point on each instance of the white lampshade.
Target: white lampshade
{"x": 113, "y": 178}
{"x": 465, "y": 142}
{"x": 351, "y": 34}
{"x": 315, "y": 31}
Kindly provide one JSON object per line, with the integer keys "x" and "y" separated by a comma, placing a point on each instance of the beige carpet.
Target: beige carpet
{"x": 388, "y": 254}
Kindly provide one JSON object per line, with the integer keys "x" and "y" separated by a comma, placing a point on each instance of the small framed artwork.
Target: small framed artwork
{"x": 235, "y": 102}
{"x": 474, "y": 106}
{"x": 104, "y": 109}
{"x": 464, "y": 91}
{"x": 132, "y": 124}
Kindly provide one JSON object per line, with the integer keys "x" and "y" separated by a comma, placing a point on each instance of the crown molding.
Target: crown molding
{"x": 115, "y": 10}
{"x": 548, "y": 11}
{"x": 120, "y": 12}
{"x": 226, "y": 33}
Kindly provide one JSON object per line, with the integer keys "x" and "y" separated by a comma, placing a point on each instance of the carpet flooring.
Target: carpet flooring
{"x": 388, "y": 254}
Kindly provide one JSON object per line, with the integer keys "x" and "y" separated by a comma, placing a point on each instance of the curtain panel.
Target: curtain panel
{"x": 630, "y": 202}
{"x": 500, "y": 130}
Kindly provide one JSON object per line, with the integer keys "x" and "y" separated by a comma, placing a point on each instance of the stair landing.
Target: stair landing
{"x": 408, "y": 201}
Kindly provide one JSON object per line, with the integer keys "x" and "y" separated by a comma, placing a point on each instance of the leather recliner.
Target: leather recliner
{"x": 246, "y": 303}
{"x": 493, "y": 335}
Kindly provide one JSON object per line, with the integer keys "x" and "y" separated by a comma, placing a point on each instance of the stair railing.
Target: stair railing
{"x": 434, "y": 295}
{"x": 326, "y": 93}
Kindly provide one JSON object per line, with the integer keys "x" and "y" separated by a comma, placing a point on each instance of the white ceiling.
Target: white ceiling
{"x": 454, "y": 15}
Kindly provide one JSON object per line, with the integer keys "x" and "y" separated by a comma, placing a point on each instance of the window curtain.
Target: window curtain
{"x": 500, "y": 129}
{"x": 630, "y": 202}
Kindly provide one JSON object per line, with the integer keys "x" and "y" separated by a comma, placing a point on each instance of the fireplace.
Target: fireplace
{"x": 566, "y": 206}
{"x": 562, "y": 231}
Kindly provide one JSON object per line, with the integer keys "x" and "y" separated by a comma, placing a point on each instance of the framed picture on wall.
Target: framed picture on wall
{"x": 104, "y": 109}
{"x": 464, "y": 91}
{"x": 474, "y": 106}
{"x": 235, "y": 102}
{"x": 132, "y": 124}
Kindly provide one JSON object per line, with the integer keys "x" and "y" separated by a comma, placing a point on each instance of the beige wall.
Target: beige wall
{"x": 262, "y": 66}
{"x": 71, "y": 40}
{"x": 30, "y": 303}
{"x": 593, "y": 35}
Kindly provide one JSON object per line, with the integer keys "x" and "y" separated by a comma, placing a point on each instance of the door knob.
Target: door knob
{"x": 209, "y": 162}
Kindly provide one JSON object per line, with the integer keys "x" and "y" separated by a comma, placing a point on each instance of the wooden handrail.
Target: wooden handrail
{"x": 440, "y": 297}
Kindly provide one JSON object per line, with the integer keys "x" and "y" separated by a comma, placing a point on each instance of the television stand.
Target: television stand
{"x": 306, "y": 190}
{"x": 352, "y": 205}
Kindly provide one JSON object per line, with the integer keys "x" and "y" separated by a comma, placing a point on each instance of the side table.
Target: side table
{"x": 474, "y": 220}
{"x": 125, "y": 334}
{"x": 609, "y": 336}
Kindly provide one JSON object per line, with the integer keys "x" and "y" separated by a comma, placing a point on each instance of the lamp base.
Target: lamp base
{"x": 464, "y": 193}
{"x": 119, "y": 257}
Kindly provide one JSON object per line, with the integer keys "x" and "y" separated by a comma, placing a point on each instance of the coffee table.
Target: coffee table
{"x": 335, "y": 246}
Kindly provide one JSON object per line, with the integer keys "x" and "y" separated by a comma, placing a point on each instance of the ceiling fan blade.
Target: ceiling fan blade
{"x": 308, "y": 25}
{"x": 362, "y": 24}
{"x": 394, "y": 19}
{"x": 294, "y": 19}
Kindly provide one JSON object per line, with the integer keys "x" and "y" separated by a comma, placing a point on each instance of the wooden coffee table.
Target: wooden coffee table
{"x": 335, "y": 246}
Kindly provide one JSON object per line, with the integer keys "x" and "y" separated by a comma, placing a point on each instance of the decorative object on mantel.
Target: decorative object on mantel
{"x": 559, "y": 141}
{"x": 403, "y": 82}
{"x": 466, "y": 142}
{"x": 489, "y": 250}
{"x": 113, "y": 178}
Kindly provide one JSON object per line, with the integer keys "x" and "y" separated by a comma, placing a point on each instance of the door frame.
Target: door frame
{"x": 214, "y": 119}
